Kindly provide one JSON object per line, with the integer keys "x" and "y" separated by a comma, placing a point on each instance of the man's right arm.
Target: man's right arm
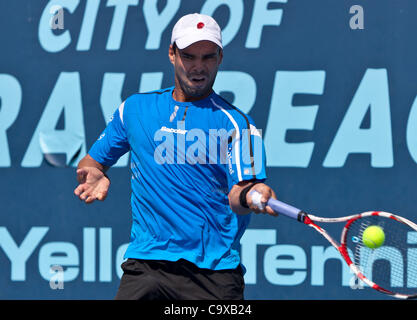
{"x": 88, "y": 161}
{"x": 109, "y": 147}
{"x": 93, "y": 181}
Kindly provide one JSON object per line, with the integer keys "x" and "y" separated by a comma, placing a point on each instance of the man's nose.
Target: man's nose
{"x": 199, "y": 66}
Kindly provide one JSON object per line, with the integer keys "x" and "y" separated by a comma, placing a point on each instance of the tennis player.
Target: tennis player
{"x": 190, "y": 206}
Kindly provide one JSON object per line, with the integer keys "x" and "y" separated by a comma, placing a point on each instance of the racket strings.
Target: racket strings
{"x": 393, "y": 266}
{"x": 358, "y": 240}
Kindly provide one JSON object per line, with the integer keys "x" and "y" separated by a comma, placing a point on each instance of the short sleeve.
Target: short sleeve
{"x": 113, "y": 142}
{"x": 246, "y": 156}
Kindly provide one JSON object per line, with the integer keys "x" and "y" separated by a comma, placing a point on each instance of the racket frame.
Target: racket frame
{"x": 310, "y": 220}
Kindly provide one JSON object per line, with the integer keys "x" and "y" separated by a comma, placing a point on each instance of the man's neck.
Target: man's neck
{"x": 179, "y": 96}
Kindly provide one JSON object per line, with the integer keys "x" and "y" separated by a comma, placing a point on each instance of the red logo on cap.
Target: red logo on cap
{"x": 200, "y": 25}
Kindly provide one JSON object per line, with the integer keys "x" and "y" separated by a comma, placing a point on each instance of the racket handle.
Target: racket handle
{"x": 286, "y": 209}
{"x": 279, "y": 207}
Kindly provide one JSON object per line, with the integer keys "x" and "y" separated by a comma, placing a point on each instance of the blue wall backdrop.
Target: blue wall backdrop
{"x": 336, "y": 102}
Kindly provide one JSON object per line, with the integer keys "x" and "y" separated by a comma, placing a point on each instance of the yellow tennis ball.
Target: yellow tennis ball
{"x": 373, "y": 237}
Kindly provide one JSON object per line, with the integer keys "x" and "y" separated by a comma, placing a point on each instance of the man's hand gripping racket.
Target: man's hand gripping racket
{"x": 374, "y": 244}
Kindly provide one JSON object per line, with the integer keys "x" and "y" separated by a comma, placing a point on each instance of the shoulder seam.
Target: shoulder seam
{"x": 237, "y": 109}
{"x": 153, "y": 92}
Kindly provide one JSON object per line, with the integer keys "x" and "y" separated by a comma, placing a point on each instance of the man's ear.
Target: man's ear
{"x": 220, "y": 56}
{"x": 171, "y": 54}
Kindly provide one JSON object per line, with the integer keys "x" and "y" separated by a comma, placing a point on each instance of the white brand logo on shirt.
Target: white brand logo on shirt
{"x": 180, "y": 131}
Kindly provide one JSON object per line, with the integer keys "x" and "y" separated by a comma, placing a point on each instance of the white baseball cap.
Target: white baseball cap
{"x": 196, "y": 27}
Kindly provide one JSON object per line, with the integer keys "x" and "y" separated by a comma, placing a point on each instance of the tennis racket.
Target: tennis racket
{"x": 390, "y": 268}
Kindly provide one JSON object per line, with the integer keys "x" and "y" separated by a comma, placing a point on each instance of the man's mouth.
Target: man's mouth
{"x": 198, "y": 79}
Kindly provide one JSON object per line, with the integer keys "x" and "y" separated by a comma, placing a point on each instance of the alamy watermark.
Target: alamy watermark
{"x": 234, "y": 148}
{"x": 57, "y": 19}
{"x": 355, "y": 282}
{"x": 57, "y": 277}
{"x": 357, "y": 20}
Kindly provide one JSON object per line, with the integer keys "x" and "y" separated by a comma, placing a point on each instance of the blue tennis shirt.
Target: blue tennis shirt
{"x": 185, "y": 158}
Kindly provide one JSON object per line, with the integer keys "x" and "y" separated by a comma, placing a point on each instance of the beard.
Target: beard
{"x": 192, "y": 86}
